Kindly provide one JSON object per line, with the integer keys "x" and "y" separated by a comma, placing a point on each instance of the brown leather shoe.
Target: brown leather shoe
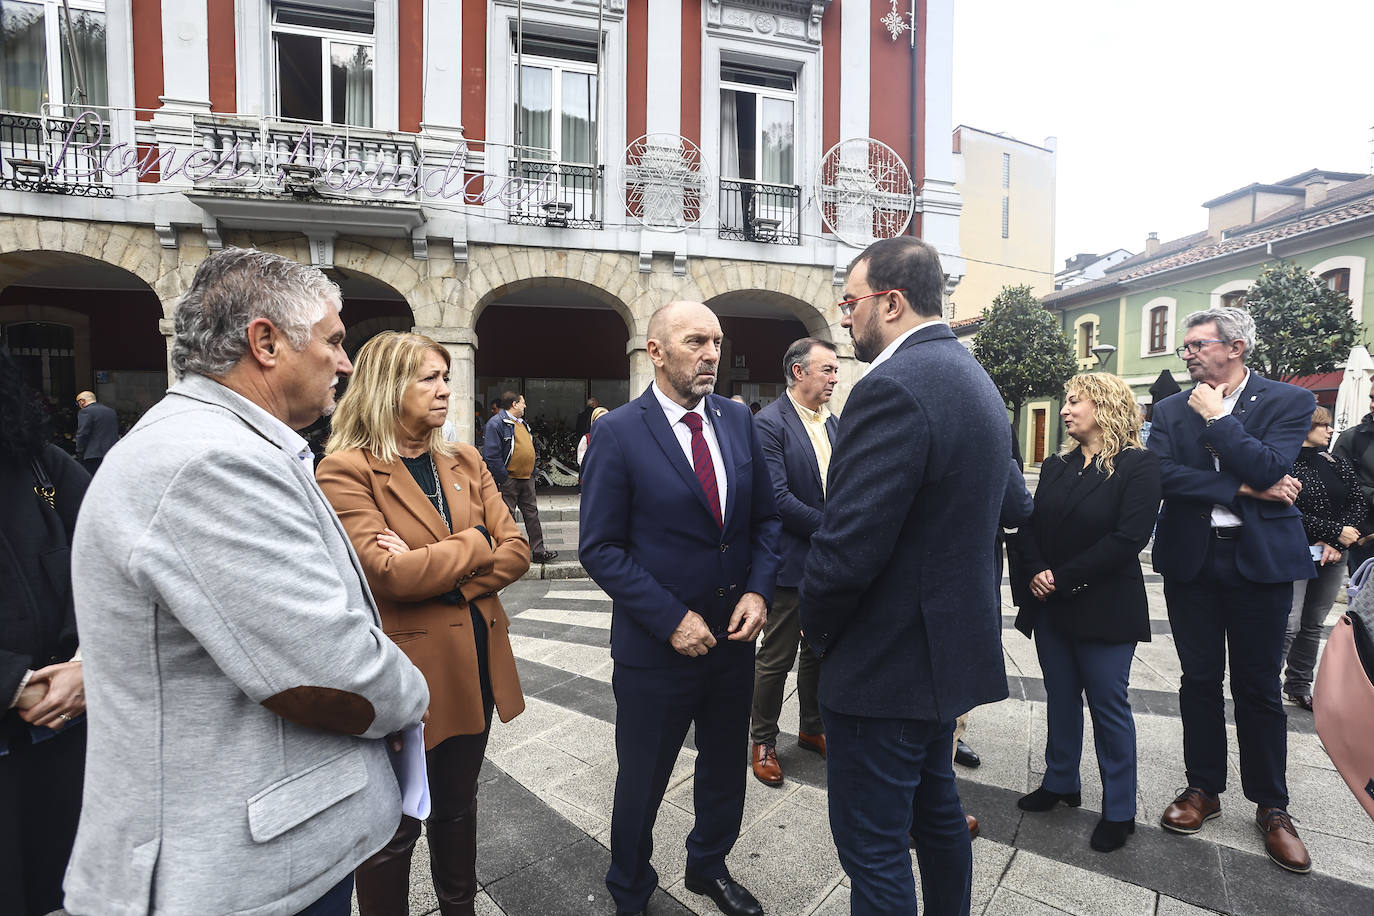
{"x": 1190, "y": 811}
{"x": 767, "y": 770}
{"x": 815, "y": 743}
{"x": 1281, "y": 840}
{"x": 972, "y": 826}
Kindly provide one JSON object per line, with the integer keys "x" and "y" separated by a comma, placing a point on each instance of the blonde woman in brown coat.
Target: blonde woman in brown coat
{"x": 437, "y": 543}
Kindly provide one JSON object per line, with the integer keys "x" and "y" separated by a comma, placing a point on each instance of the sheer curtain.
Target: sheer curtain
{"x": 350, "y": 68}
{"x": 536, "y": 114}
{"x": 88, "y": 36}
{"x": 23, "y": 61}
{"x": 777, "y": 141}
{"x": 579, "y": 118}
{"x": 729, "y": 135}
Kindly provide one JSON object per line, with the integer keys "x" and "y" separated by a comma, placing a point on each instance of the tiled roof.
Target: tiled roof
{"x": 1345, "y": 202}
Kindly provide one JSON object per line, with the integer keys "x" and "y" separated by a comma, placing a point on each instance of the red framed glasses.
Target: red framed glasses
{"x": 847, "y": 305}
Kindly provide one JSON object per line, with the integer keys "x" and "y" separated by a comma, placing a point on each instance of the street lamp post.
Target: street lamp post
{"x": 1103, "y": 352}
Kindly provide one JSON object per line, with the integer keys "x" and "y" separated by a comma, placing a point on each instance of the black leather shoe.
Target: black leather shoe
{"x": 965, "y": 756}
{"x": 544, "y": 556}
{"x": 1043, "y": 799}
{"x": 731, "y": 898}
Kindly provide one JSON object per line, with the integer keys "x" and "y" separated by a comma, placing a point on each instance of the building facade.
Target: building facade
{"x": 524, "y": 180}
{"x": 1006, "y": 227}
{"x": 1321, "y": 220}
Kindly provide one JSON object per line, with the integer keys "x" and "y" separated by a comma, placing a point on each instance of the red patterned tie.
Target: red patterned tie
{"x": 703, "y": 465}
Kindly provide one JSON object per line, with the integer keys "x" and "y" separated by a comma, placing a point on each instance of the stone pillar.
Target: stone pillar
{"x": 641, "y": 367}
{"x": 461, "y": 344}
{"x": 168, "y": 329}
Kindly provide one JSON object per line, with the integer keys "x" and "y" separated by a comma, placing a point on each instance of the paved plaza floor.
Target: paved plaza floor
{"x": 545, "y": 799}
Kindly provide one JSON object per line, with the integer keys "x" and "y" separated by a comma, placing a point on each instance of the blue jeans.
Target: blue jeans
{"x": 1102, "y": 670}
{"x": 888, "y": 778}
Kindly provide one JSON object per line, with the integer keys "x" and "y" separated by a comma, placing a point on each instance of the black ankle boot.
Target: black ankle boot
{"x": 453, "y": 862}
{"x": 1043, "y": 799}
{"x": 1109, "y": 835}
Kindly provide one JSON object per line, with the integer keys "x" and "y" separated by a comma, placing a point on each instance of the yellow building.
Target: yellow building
{"x": 1006, "y": 228}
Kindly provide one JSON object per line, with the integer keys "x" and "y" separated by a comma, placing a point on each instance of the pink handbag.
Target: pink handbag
{"x": 1343, "y": 704}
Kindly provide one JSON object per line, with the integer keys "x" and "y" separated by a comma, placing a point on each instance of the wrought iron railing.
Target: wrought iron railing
{"x": 756, "y": 211}
{"x": 42, "y": 153}
{"x": 554, "y": 194}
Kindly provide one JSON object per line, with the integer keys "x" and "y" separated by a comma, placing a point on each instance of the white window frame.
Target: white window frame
{"x": 327, "y": 38}
{"x": 558, "y": 66}
{"x": 52, "y": 47}
{"x": 1086, "y": 362}
{"x": 1228, "y": 288}
{"x": 1171, "y": 320}
{"x": 761, "y": 93}
{"x": 1356, "y": 265}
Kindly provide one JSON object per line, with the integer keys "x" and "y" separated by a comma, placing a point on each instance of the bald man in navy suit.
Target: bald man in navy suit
{"x": 679, "y": 527}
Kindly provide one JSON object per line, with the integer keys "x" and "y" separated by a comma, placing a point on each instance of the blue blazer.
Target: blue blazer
{"x": 1258, "y": 444}
{"x": 648, "y": 538}
{"x": 498, "y": 441}
{"x": 796, "y": 477}
{"x": 900, "y": 599}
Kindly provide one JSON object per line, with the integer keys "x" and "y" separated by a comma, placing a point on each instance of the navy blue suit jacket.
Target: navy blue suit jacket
{"x": 901, "y": 599}
{"x": 1258, "y": 444}
{"x": 97, "y": 430}
{"x": 648, "y": 538}
{"x": 796, "y": 477}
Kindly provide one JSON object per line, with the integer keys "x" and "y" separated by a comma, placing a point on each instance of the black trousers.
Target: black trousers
{"x": 40, "y": 803}
{"x": 1217, "y": 611}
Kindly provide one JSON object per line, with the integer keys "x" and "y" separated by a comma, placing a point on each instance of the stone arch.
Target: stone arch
{"x": 496, "y": 271}
{"x": 581, "y": 288}
{"x": 130, "y": 248}
{"x": 805, "y": 293}
{"x": 118, "y": 344}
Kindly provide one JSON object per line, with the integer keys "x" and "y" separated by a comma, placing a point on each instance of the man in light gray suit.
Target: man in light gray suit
{"x": 237, "y": 681}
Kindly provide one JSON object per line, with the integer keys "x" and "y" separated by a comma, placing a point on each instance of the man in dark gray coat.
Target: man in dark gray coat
{"x": 900, "y": 600}
{"x": 97, "y": 430}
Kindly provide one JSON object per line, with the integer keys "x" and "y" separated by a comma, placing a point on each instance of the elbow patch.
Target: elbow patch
{"x": 323, "y": 707}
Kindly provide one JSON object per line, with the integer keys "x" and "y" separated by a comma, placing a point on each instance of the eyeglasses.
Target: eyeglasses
{"x": 1195, "y": 347}
{"x": 847, "y": 305}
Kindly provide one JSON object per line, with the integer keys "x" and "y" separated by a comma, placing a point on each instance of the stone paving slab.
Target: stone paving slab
{"x": 547, "y": 788}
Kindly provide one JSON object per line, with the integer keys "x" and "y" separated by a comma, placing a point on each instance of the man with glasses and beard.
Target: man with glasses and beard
{"x": 900, "y": 599}
{"x": 679, "y": 527}
{"x": 1229, "y": 545}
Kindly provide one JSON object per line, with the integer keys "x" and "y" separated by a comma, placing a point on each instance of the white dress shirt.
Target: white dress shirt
{"x": 892, "y": 347}
{"x": 1224, "y": 516}
{"x": 296, "y": 444}
{"x": 675, "y": 412}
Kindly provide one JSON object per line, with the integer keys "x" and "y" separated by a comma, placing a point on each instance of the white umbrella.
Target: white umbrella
{"x": 1353, "y": 395}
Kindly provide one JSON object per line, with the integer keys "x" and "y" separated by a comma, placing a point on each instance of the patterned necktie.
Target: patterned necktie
{"x": 703, "y": 465}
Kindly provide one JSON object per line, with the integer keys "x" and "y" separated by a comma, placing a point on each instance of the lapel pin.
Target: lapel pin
{"x": 457, "y": 489}
{"x": 717, "y": 409}
{"x": 1254, "y": 397}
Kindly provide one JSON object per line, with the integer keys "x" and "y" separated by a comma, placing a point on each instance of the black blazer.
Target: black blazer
{"x": 1090, "y": 537}
{"x": 796, "y": 476}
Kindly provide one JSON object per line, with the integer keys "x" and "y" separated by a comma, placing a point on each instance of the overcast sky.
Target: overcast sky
{"x": 1160, "y": 106}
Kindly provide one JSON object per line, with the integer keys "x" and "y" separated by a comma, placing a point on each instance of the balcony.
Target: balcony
{"x": 756, "y": 211}
{"x": 554, "y": 194}
{"x": 53, "y": 155}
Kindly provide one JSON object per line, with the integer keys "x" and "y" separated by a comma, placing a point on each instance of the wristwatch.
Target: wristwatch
{"x": 1211, "y": 420}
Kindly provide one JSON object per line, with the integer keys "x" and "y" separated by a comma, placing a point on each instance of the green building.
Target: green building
{"x": 1321, "y": 220}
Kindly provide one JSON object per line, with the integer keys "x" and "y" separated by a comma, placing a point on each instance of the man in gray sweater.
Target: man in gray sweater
{"x": 238, "y": 684}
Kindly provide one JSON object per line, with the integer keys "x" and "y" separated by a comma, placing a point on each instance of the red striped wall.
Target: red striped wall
{"x": 146, "y": 25}
{"x": 474, "y": 76}
{"x": 410, "y": 76}
{"x": 223, "y": 76}
{"x": 830, "y": 75}
{"x": 691, "y": 71}
{"x": 637, "y": 69}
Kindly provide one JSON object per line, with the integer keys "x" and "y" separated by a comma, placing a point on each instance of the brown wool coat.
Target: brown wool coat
{"x": 370, "y": 495}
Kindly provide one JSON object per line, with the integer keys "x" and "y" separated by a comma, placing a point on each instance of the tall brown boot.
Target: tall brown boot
{"x": 383, "y": 881}
{"x": 453, "y": 861}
